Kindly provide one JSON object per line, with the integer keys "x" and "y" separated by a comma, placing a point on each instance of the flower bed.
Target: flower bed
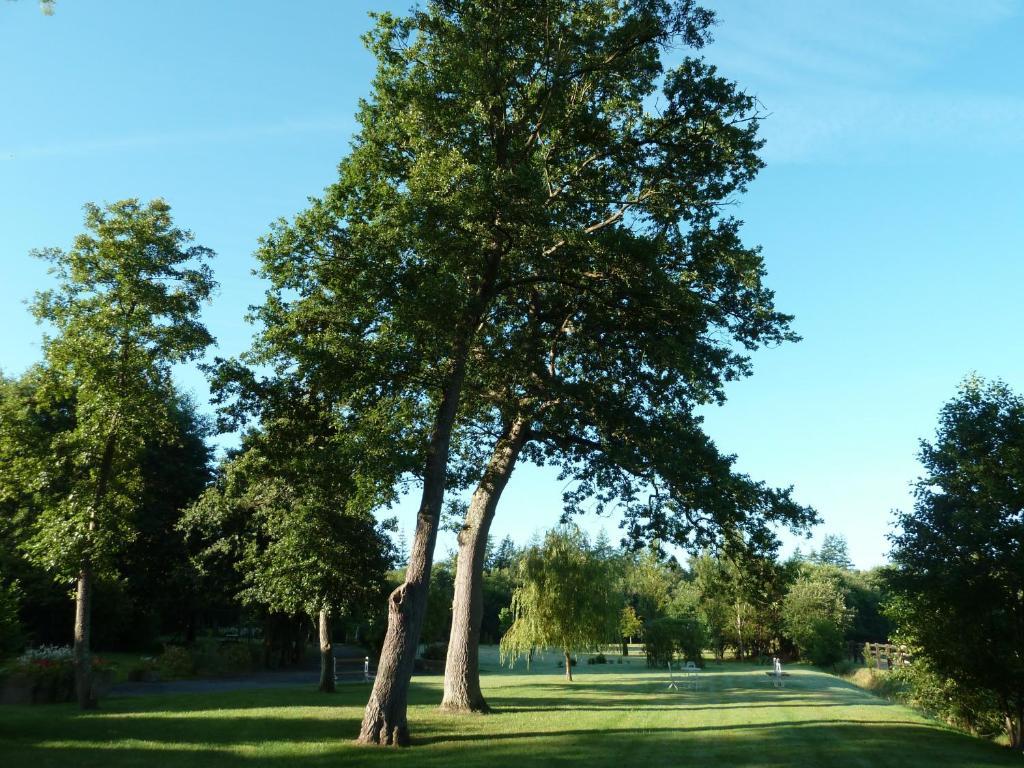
{"x": 46, "y": 675}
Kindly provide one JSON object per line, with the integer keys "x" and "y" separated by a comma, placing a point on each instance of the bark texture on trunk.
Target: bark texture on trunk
{"x": 326, "y": 653}
{"x": 462, "y": 667}
{"x": 384, "y": 720}
{"x": 83, "y": 629}
{"x": 568, "y": 667}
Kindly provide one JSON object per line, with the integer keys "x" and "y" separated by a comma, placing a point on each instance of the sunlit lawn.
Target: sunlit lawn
{"x": 613, "y": 715}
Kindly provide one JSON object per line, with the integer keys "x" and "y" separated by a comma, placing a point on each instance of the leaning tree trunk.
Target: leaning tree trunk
{"x": 83, "y": 629}
{"x": 568, "y": 666}
{"x": 462, "y": 668}
{"x": 326, "y": 653}
{"x": 384, "y": 720}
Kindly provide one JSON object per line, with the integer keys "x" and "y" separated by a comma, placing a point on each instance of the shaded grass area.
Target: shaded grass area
{"x": 614, "y": 715}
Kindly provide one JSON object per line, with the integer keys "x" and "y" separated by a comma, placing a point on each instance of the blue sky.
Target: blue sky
{"x": 889, "y": 211}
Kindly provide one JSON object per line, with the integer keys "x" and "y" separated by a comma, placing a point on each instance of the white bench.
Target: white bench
{"x": 690, "y": 676}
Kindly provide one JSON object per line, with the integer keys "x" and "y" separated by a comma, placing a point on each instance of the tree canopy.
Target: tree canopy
{"x": 518, "y": 240}
{"x": 958, "y": 557}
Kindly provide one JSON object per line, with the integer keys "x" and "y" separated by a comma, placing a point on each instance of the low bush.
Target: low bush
{"x": 843, "y": 667}
{"x": 144, "y": 671}
{"x": 664, "y": 638}
{"x": 233, "y": 659}
{"x": 598, "y": 658}
{"x": 176, "y": 661}
{"x": 970, "y": 709}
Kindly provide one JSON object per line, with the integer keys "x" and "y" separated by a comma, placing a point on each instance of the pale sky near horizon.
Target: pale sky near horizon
{"x": 889, "y": 211}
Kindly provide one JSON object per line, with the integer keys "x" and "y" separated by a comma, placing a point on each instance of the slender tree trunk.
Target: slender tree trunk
{"x": 568, "y": 666}
{"x": 462, "y": 668}
{"x": 83, "y": 596}
{"x": 739, "y": 632}
{"x": 82, "y": 650}
{"x": 625, "y": 646}
{"x": 326, "y": 653}
{"x": 384, "y": 720}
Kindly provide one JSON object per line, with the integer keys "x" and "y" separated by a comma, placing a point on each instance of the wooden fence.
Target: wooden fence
{"x": 885, "y": 655}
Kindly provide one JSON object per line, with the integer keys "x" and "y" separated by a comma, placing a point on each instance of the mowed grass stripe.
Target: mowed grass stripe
{"x": 614, "y": 715}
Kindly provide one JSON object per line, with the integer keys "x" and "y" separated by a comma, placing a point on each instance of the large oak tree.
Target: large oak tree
{"x": 529, "y": 188}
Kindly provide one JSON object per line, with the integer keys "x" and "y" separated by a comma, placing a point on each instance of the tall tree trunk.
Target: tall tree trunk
{"x": 83, "y": 629}
{"x": 326, "y": 653}
{"x": 568, "y": 666}
{"x": 83, "y": 595}
{"x": 384, "y": 720}
{"x": 462, "y": 668}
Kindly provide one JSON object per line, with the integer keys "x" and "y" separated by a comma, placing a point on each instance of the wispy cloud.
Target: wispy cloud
{"x": 844, "y": 79}
{"x": 225, "y": 134}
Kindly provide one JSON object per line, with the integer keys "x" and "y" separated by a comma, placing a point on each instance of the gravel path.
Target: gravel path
{"x": 284, "y": 678}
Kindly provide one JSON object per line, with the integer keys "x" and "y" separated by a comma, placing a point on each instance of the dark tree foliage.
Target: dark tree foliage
{"x": 159, "y": 580}
{"x": 866, "y": 594}
{"x": 958, "y": 558}
{"x": 155, "y": 592}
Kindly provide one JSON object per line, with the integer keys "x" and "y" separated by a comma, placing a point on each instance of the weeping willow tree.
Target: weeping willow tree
{"x": 566, "y": 599}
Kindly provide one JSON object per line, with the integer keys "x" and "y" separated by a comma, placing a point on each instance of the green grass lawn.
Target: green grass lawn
{"x": 614, "y": 715}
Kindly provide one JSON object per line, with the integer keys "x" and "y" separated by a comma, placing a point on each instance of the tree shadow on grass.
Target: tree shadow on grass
{"x": 305, "y": 729}
{"x": 772, "y": 726}
{"x": 346, "y": 695}
{"x": 802, "y": 743}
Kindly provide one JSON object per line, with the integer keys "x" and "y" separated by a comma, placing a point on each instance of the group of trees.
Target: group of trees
{"x": 526, "y": 257}
{"x": 572, "y": 596}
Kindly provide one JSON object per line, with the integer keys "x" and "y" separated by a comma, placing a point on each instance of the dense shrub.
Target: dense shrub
{"x": 815, "y": 618}
{"x": 597, "y": 658}
{"x": 664, "y": 638}
{"x": 965, "y": 707}
{"x": 233, "y": 659}
{"x": 176, "y": 661}
{"x": 145, "y": 670}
